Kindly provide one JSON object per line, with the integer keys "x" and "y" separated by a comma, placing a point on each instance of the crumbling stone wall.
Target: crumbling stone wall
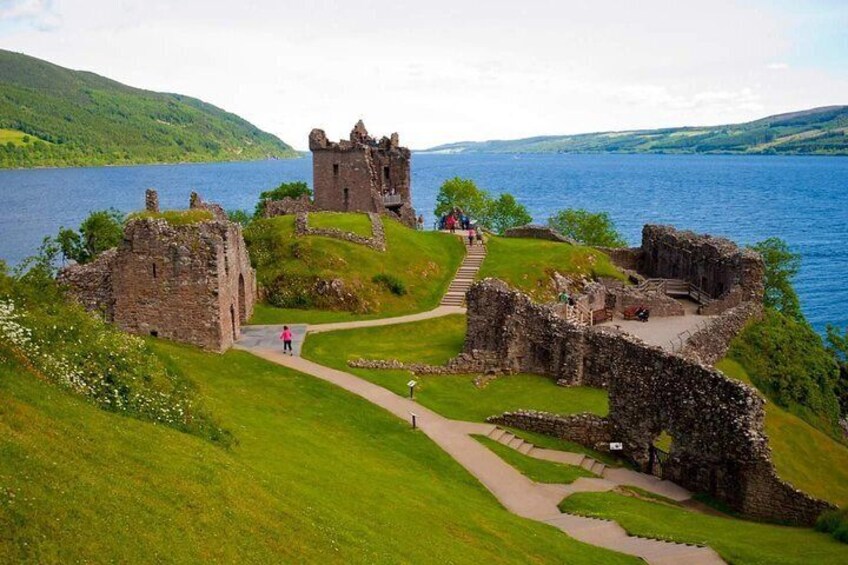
{"x": 716, "y": 422}
{"x": 189, "y": 283}
{"x": 710, "y": 344}
{"x": 362, "y": 174}
{"x": 586, "y": 429}
{"x": 197, "y": 203}
{"x": 377, "y": 241}
{"x": 729, "y": 274}
{"x": 288, "y": 206}
{"x": 533, "y": 231}
{"x": 621, "y": 298}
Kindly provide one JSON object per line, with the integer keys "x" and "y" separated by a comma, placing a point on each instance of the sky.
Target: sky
{"x": 444, "y": 71}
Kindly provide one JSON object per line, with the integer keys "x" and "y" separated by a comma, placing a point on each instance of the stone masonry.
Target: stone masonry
{"x": 189, "y": 283}
{"x": 362, "y": 174}
{"x": 719, "y": 446}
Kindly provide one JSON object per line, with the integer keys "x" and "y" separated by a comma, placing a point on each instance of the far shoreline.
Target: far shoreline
{"x": 300, "y": 155}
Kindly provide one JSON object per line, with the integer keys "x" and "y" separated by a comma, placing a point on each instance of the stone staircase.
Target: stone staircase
{"x": 577, "y": 459}
{"x": 464, "y": 278}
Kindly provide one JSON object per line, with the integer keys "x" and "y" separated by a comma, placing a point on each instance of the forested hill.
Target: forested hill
{"x": 820, "y": 131}
{"x": 52, "y": 116}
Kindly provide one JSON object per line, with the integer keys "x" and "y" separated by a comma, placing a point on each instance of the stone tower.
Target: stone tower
{"x": 362, "y": 174}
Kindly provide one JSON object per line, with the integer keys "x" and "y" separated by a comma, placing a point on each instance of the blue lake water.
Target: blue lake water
{"x": 803, "y": 200}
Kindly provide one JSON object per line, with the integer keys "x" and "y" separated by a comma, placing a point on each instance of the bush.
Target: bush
{"x": 100, "y": 231}
{"x": 292, "y": 190}
{"x": 74, "y": 349}
{"x": 787, "y": 360}
{"x": 391, "y": 282}
{"x": 587, "y": 228}
{"x": 782, "y": 264}
{"x": 834, "y": 522}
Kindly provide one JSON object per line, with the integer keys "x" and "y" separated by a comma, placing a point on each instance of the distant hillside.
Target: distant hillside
{"x": 820, "y": 131}
{"x": 52, "y": 116}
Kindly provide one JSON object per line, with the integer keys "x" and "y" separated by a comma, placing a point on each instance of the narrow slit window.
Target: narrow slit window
{"x": 154, "y": 270}
{"x": 335, "y": 169}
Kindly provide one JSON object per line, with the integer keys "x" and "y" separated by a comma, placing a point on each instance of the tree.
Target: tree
{"x": 463, "y": 194}
{"x": 292, "y": 190}
{"x": 242, "y": 217}
{"x": 587, "y": 227}
{"x": 100, "y": 231}
{"x": 837, "y": 345}
{"x": 782, "y": 264}
{"x": 504, "y": 213}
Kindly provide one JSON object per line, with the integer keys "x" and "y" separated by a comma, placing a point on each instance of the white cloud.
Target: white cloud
{"x": 37, "y": 13}
{"x": 441, "y": 70}
{"x": 777, "y": 66}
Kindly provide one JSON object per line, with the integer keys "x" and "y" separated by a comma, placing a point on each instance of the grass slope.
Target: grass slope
{"x": 536, "y": 469}
{"x": 79, "y": 118}
{"x": 354, "y": 223}
{"x": 454, "y": 396}
{"x": 818, "y": 131}
{"x": 318, "y": 475}
{"x": 803, "y": 455}
{"x": 527, "y": 264}
{"x": 737, "y": 541}
{"x": 424, "y": 261}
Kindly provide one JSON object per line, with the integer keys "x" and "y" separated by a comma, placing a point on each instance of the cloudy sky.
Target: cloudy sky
{"x": 440, "y": 71}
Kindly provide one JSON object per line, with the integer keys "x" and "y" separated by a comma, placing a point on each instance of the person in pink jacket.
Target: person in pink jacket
{"x": 286, "y": 336}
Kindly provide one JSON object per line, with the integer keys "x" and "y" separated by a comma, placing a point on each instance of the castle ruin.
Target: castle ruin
{"x": 362, "y": 174}
{"x": 190, "y": 283}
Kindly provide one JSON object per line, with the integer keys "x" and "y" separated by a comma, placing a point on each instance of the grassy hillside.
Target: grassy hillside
{"x": 806, "y": 457}
{"x": 527, "y": 264}
{"x": 819, "y": 131}
{"x": 74, "y": 118}
{"x": 289, "y": 268}
{"x": 318, "y": 475}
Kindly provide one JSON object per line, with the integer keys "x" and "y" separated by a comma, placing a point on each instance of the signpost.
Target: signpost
{"x": 414, "y": 416}
{"x": 411, "y": 384}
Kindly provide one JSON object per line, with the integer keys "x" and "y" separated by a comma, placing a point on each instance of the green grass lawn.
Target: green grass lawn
{"x": 318, "y": 475}
{"x": 536, "y": 469}
{"x": 425, "y": 262}
{"x": 737, "y": 541}
{"x": 527, "y": 264}
{"x": 354, "y": 223}
{"x": 454, "y": 396}
{"x": 803, "y": 455}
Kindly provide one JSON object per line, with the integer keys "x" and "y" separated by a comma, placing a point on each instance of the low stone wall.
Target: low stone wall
{"x": 626, "y": 258}
{"x": 377, "y": 241}
{"x": 464, "y": 363}
{"x": 533, "y": 231}
{"x": 710, "y": 344}
{"x": 586, "y": 429}
{"x": 91, "y": 284}
{"x": 289, "y": 206}
{"x": 719, "y": 445}
{"x": 660, "y": 304}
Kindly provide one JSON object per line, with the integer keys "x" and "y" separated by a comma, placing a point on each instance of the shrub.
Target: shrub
{"x": 100, "y": 231}
{"x": 781, "y": 264}
{"x": 587, "y": 228}
{"x": 391, "y": 282}
{"x": 834, "y": 522}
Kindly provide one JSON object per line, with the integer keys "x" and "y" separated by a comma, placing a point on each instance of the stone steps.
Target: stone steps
{"x": 511, "y": 440}
{"x": 465, "y": 276}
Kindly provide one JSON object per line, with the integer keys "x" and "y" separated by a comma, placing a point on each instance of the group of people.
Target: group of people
{"x": 457, "y": 219}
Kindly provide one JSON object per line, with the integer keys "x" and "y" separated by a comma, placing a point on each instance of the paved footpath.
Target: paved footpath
{"x": 516, "y": 492}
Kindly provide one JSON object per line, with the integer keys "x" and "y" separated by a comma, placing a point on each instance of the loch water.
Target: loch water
{"x": 803, "y": 200}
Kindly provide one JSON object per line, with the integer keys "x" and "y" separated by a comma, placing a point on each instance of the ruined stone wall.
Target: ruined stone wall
{"x": 533, "y": 231}
{"x": 197, "y": 203}
{"x": 377, "y": 241}
{"x": 586, "y": 429}
{"x": 716, "y": 265}
{"x": 719, "y": 446}
{"x": 91, "y": 284}
{"x": 289, "y": 206}
{"x": 627, "y": 258}
{"x": 660, "y": 304}
{"x": 357, "y": 175}
{"x": 710, "y": 344}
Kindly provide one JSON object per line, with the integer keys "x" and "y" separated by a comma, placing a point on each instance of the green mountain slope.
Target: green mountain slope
{"x": 52, "y": 116}
{"x": 820, "y": 131}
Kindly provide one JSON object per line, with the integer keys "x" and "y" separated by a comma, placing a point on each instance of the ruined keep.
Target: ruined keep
{"x": 716, "y": 423}
{"x": 189, "y": 283}
{"x": 362, "y": 174}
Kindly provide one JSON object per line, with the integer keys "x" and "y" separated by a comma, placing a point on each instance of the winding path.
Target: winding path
{"x": 517, "y": 493}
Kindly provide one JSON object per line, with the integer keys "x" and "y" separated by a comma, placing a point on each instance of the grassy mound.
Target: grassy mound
{"x": 803, "y": 455}
{"x": 527, "y": 264}
{"x": 354, "y": 223}
{"x": 737, "y": 541}
{"x": 289, "y": 268}
{"x": 318, "y": 476}
{"x": 455, "y": 396}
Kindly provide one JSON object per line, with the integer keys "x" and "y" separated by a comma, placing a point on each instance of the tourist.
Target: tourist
{"x": 420, "y": 222}
{"x": 472, "y": 234}
{"x": 286, "y": 336}
{"x": 451, "y": 223}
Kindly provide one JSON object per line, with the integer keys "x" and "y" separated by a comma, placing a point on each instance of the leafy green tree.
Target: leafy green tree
{"x": 242, "y": 217}
{"x": 292, "y": 190}
{"x": 837, "y": 345}
{"x": 463, "y": 194}
{"x": 589, "y": 228}
{"x": 505, "y": 212}
{"x": 100, "y": 231}
{"x": 782, "y": 265}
